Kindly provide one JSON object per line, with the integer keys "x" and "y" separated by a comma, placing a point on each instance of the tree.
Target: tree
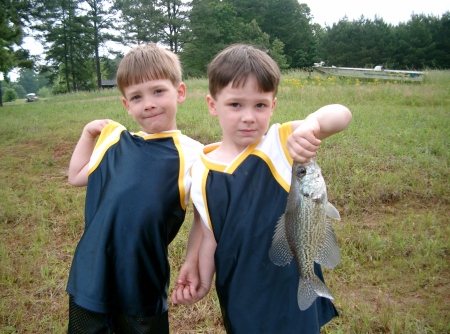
{"x": 153, "y": 21}
{"x": 109, "y": 67}
{"x": 100, "y": 18}
{"x": 67, "y": 43}
{"x": 174, "y": 21}
{"x": 140, "y": 21}
{"x": 31, "y": 81}
{"x": 360, "y": 43}
{"x": 276, "y": 52}
{"x": 13, "y": 15}
{"x": 20, "y": 91}
{"x": 215, "y": 25}
{"x": 440, "y": 33}
{"x": 415, "y": 43}
{"x": 285, "y": 20}
{"x": 27, "y": 79}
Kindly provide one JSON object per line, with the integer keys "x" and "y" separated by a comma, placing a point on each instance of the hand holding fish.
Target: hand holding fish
{"x": 303, "y": 143}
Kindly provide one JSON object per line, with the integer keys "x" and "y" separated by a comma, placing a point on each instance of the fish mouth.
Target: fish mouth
{"x": 316, "y": 192}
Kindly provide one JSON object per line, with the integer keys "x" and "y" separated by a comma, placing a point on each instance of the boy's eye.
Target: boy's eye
{"x": 158, "y": 91}
{"x": 234, "y": 105}
{"x": 260, "y": 105}
{"x": 135, "y": 97}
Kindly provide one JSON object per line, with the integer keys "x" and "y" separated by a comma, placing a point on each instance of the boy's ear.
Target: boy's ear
{"x": 125, "y": 103}
{"x": 274, "y": 103}
{"x": 211, "y": 105}
{"x": 181, "y": 92}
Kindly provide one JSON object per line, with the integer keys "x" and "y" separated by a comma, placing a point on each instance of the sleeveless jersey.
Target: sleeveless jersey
{"x": 136, "y": 197}
{"x": 241, "y": 203}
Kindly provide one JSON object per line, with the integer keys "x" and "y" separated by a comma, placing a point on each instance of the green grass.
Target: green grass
{"x": 388, "y": 175}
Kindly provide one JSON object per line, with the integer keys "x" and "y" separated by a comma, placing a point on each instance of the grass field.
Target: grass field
{"x": 388, "y": 174}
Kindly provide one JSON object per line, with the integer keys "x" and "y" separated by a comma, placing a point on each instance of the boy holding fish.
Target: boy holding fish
{"x": 240, "y": 188}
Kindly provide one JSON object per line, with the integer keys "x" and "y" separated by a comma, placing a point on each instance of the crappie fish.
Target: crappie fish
{"x": 304, "y": 232}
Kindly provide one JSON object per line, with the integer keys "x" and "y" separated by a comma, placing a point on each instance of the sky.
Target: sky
{"x": 391, "y": 11}
{"x": 331, "y": 11}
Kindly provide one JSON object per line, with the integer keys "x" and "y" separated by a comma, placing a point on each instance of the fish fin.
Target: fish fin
{"x": 332, "y": 212}
{"x": 280, "y": 253}
{"x": 309, "y": 289}
{"x": 329, "y": 254}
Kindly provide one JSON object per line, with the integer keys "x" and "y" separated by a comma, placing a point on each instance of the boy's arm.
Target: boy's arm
{"x": 307, "y": 134}
{"x": 188, "y": 274}
{"x": 79, "y": 163}
{"x": 194, "y": 281}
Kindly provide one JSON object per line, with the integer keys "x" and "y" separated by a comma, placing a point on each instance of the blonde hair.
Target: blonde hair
{"x": 148, "y": 62}
{"x": 236, "y": 63}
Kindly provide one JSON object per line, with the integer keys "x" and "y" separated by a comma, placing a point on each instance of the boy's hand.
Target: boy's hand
{"x": 186, "y": 290}
{"x": 92, "y": 130}
{"x": 79, "y": 163}
{"x": 303, "y": 143}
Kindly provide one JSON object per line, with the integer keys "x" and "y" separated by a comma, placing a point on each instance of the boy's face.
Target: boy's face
{"x": 153, "y": 104}
{"x": 244, "y": 114}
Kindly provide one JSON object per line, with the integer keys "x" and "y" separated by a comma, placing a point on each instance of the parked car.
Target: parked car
{"x": 32, "y": 97}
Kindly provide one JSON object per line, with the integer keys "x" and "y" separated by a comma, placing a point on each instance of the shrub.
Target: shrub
{"x": 10, "y": 95}
{"x": 59, "y": 88}
{"x": 44, "y": 92}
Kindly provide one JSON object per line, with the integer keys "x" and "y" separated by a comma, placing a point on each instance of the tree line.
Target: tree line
{"x": 73, "y": 32}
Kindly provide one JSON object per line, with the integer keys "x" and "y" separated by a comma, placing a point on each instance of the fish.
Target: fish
{"x": 304, "y": 232}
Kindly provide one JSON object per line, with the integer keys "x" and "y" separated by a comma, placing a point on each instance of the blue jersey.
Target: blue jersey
{"x": 136, "y": 197}
{"x": 241, "y": 203}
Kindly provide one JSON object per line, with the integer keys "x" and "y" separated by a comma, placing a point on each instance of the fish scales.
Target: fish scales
{"x": 304, "y": 232}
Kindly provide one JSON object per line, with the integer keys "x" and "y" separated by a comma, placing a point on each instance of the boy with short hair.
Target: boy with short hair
{"x": 137, "y": 190}
{"x": 240, "y": 188}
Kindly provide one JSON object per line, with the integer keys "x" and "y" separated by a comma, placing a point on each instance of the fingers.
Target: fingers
{"x": 184, "y": 294}
{"x": 301, "y": 149}
{"x": 303, "y": 143}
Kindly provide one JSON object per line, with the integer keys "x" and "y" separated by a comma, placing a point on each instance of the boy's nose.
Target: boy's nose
{"x": 248, "y": 115}
{"x": 149, "y": 103}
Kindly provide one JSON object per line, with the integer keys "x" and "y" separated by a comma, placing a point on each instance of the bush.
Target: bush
{"x": 10, "y": 95}
{"x": 44, "y": 92}
{"x": 59, "y": 88}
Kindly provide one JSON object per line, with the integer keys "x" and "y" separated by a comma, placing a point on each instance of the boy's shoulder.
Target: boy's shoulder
{"x": 277, "y": 132}
{"x": 113, "y": 130}
{"x": 190, "y": 140}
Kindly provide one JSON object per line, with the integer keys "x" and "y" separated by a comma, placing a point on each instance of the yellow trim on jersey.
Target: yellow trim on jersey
{"x": 164, "y": 134}
{"x": 284, "y": 132}
{"x": 204, "y": 178}
{"x": 241, "y": 157}
{"x": 272, "y": 168}
{"x": 109, "y": 136}
{"x": 181, "y": 188}
{"x": 209, "y": 164}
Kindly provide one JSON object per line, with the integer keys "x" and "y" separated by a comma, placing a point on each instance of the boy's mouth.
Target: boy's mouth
{"x": 247, "y": 131}
{"x": 154, "y": 115}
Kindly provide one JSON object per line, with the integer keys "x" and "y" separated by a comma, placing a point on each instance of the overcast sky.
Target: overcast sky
{"x": 391, "y": 11}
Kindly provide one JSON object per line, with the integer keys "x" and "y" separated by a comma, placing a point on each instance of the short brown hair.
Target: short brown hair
{"x": 236, "y": 63}
{"x": 148, "y": 62}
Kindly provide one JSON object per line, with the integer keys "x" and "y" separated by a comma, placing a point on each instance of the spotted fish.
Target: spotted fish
{"x": 304, "y": 232}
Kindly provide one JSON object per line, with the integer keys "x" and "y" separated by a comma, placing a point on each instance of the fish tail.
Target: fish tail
{"x": 309, "y": 289}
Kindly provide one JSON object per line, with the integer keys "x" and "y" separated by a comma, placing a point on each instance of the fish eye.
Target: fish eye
{"x": 301, "y": 171}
